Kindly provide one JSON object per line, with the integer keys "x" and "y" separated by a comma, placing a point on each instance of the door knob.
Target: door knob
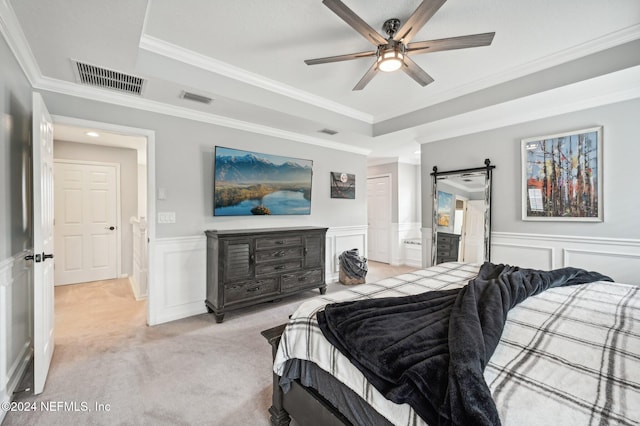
{"x": 46, "y": 256}
{"x": 110, "y": 228}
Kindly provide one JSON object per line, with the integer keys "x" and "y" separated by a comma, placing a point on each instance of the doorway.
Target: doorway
{"x": 134, "y": 230}
{"x": 379, "y": 218}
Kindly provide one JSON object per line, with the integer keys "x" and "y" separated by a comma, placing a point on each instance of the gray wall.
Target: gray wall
{"x": 128, "y": 160}
{"x": 184, "y": 152}
{"x": 621, "y": 146}
{"x": 15, "y": 157}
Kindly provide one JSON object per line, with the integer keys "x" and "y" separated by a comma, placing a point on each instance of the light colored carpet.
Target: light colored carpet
{"x": 109, "y": 368}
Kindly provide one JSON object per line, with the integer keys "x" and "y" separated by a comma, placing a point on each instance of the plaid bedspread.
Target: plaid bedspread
{"x": 569, "y": 356}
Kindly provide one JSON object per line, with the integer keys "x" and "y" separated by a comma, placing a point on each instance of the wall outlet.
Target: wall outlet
{"x": 167, "y": 217}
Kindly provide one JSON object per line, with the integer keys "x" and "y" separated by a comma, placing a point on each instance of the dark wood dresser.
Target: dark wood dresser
{"x": 448, "y": 245}
{"x": 250, "y": 266}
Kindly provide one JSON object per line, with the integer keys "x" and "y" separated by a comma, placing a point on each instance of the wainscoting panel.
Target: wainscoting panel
{"x": 617, "y": 257}
{"x": 178, "y": 268}
{"x": 399, "y": 233}
{"x": 177, "y": 279}
{"x": 515, "y": 254}
{"x": 15, "y": 323}
{"x": 622, "y": 267}
{"x": 340, "y": 239}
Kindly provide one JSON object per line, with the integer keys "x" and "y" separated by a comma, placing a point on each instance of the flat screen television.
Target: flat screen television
{"x": 251, "y": 183}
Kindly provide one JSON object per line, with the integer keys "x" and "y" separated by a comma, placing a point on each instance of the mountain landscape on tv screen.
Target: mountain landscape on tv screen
{"x": 251, "y": 169}
{"x": 249, "y": 183}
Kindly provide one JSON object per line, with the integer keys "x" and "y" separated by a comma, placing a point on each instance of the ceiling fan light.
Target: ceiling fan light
{"x": 390, "y": 60}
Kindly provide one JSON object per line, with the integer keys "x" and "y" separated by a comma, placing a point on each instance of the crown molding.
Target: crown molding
{"x": 606, "y": 42}
{"x": 12, "y": 32}
{"x": 180, "y": 54}
{"x": 608, "y": 89}
{"x": 107, "y": 96}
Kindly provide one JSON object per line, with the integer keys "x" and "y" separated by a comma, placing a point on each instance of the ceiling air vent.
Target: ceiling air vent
{"x": 328, "y": 131}
{"x": 108, "y": 79}
{"x": 196, "y": 98}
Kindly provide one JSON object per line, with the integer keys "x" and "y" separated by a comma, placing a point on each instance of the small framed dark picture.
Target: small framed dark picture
{"x": 343, "y": 185}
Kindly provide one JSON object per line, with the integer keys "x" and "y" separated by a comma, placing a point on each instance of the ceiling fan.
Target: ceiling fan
{"x": 392, "y": 53}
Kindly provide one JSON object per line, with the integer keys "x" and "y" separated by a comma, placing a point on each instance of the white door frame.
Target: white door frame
{"x": 118, "y": 223}
{"x": 152, "y": 291}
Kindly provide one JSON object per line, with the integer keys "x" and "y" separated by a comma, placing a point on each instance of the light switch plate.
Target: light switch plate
{"x": 167, "y": 217}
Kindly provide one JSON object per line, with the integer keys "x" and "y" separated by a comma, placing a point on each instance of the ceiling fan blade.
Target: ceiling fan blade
{"x": 339, "y": 58}
{"x": 416, "y": 73}
{"x": 418, "y": 18}
{"x": 355, "y": 21}
{"x": 451, "y": 43}
{"x": 371, "y": 72}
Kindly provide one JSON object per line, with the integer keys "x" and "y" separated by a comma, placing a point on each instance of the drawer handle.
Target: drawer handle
{"x": 302, "y": 279}
{"x": 279, "y": 267}
{"x": 279, "y": 242}
{"x": 280, "y": 253}
{"x": 252, "y": 289}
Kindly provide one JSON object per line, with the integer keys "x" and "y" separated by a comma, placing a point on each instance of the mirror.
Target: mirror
{"x": 461, "y": 222}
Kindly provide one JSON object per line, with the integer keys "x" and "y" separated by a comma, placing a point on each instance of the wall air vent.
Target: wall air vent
{"x": 108, "y": 79}
{"x": 196, "y": 98}
{"x": 328, "y": 131}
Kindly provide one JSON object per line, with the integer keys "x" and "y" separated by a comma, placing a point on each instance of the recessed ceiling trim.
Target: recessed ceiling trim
{"x": 177, "y": 53}
{"x": 613, "y": 39}
{"x": 116, "y": 98}
{"x": 612, "y": 88}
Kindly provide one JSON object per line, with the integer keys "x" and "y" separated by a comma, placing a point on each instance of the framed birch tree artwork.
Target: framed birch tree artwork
{"x": 562, "y": 176}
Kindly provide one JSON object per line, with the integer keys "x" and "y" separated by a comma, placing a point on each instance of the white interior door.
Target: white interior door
{"x": 43, "y": 243}
{"x": 379, "y": 215}
{"x": 474, "y": 232}
{"x": 86, "y": 222}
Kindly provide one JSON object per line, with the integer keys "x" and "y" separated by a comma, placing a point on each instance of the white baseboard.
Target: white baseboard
{"x": 135, "y": 287}
{"x": 618, "y": 258}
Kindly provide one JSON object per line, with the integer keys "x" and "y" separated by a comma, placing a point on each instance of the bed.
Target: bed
{"x": 569, "y": 355}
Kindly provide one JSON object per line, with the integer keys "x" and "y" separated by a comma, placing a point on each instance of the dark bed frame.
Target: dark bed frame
{"x": 304, "y": 404}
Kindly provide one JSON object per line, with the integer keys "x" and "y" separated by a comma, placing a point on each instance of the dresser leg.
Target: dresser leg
{"x": 219, "y": 317}
{"x": 323, "y": 290}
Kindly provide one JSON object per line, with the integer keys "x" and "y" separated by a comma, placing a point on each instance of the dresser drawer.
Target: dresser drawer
{"x": 266, "y": 269}
{"x": 275, "y": 242}
{"x": 249, "y": 289}
{"x": 278, "y": 254}
{"x": 301, "y": 279}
